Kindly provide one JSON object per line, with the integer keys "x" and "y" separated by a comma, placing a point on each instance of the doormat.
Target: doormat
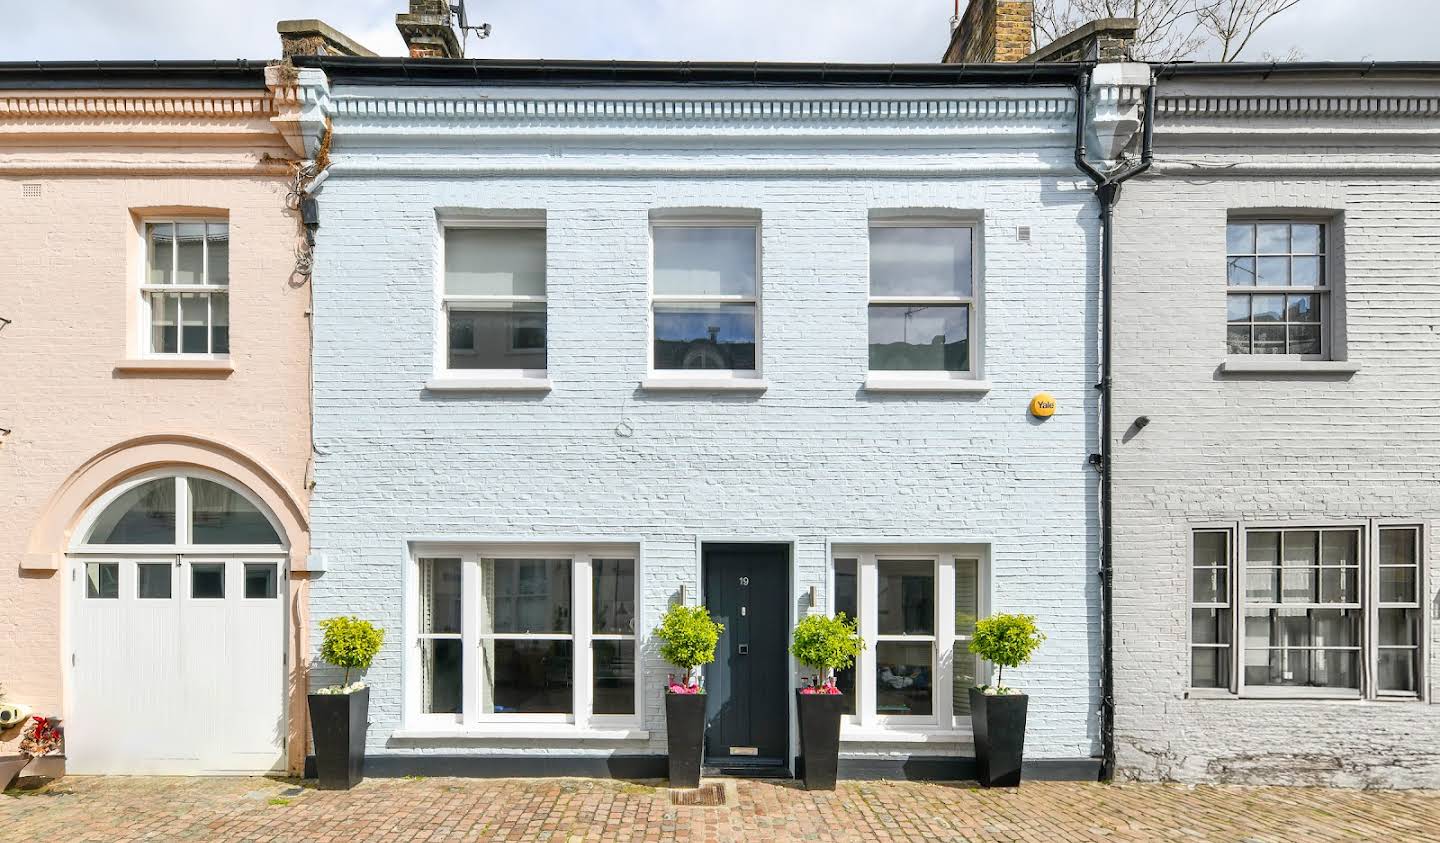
{"x": 706, "y": 795}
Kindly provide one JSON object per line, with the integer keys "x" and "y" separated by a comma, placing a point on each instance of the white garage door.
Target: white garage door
{"x": 177, "y": 660}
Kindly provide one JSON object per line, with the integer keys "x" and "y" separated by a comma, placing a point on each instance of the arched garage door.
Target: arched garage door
{"x": 177, "y": 632}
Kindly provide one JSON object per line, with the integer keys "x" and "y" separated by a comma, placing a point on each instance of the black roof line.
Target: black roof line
{"x": 1269, "y": 69}
{"x": 232, "y": 74}
{"x": 389, "y": 70}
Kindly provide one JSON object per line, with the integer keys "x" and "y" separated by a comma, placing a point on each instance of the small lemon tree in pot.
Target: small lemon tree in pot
{"x": 688, "y": 637}
{"x": 339, "y": 714}
{"x": 997, "y": 712}
{"x": 824, "y": 645}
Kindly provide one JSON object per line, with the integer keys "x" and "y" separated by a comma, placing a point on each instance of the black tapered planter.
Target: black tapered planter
{"x": 685, "y": 734}
{"x": 819, "y": 738}
{"x": 999, "y": 724}
{"x": 338, "y": 722}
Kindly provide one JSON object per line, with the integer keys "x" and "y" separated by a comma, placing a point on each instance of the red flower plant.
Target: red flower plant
{"x": 41, "y": 737}
{"x": 827, "y": 688}
{"x": 673, "y": 687}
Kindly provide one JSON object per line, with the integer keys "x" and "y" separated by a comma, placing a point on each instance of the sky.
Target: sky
{"x": 733, "y": 30}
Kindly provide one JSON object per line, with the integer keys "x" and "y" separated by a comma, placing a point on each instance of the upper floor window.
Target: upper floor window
{"x": 1322, "y": 611}
{"x": 922, "y": 297}
{"x": 1278, "y": 290}
{"x": 706, "y": 296}
{"x": 493, "y": 299}
{"x": 185, "y": 291}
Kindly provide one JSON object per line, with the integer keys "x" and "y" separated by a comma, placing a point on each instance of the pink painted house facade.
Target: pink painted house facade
{"x": 154, "y": 401}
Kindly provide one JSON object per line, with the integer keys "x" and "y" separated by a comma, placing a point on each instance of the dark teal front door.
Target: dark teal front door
{"x": 747, "y": 707}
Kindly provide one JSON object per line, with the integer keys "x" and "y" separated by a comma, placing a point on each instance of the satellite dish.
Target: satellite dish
{"x": 462, "y": 22}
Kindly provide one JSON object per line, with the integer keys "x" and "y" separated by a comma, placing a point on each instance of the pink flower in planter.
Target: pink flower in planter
{"x": 827, "y": 688}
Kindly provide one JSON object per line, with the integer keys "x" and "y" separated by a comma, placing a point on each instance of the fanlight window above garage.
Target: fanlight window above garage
{"x": 181, "y": 510}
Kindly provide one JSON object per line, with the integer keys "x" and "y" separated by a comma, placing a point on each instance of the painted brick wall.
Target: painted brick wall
{"x": 1273, "y": 447}
{"x": 813, "y": 459}
{"x": 67, "y": 289}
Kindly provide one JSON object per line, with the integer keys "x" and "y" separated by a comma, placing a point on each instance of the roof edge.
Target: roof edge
{"x": 1268, "y": 69}
{"x": 240, "y": 74}
{"x": 392, "y": 70}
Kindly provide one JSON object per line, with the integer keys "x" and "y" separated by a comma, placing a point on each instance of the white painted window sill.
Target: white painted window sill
{"x": 849, "y": 734}
{"x": 662, "y": 383}
{"x": 520, "y": 731}
{"x": 1266, "y": 364}
{"x": 883, "y": 383}
{"x": 484, "y": 384}
{"x": 191, "y": 365}
{"x": 1299, "y": 695}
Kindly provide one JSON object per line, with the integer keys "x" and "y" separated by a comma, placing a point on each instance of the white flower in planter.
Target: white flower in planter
{"x": 358, "y": 685}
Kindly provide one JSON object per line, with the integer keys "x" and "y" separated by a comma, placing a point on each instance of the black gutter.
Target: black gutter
{"x": 1269, "y": 69}
{"x": 1107, "y": 191}
{"x": 236, "y": 74}
{"x": 392, "y": 70}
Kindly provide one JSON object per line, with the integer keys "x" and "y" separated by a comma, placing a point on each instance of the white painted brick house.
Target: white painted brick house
{"x": 1275, "y": 321}
{"x": 590, "y": 338}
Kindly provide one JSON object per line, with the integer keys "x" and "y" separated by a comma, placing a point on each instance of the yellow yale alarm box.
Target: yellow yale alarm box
{"x": 1042, "y": 406}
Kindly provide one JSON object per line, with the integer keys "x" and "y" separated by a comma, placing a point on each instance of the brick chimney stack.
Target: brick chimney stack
{"x": 992, "y": 31}
{"x": 312, "y": 37}
{"x": 427, "y": 30}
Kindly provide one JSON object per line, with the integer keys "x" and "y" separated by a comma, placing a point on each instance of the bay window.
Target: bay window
{"x": 520, "y": 633}
{"x": 1328, "y": 611}
{"x": 917, "y": 609}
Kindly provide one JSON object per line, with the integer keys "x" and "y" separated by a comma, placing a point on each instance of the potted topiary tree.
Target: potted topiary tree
{"x": 339, "y": 714}
{"x": 688, "y": 636}
{"x": 824, "y": 645}
{"x": 997, "y": 713}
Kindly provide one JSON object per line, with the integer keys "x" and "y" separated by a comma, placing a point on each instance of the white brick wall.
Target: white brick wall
{"x": 1274, "y": 447}
{"x": 814, "y": 458}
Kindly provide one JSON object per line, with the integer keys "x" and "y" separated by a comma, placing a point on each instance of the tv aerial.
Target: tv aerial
{"x": 482, "y": 31}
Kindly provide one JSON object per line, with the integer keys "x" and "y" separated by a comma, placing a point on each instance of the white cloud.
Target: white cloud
{"x": 736, "y": 30}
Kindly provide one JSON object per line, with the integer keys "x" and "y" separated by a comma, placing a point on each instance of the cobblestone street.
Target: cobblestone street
{"x": 565, "y": 810}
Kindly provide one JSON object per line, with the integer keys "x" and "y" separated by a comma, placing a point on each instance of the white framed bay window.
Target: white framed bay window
{"x": 1308, "y": 610}
{"x": 917, "y": 607}
{"x": 522, "y": 637}
{"x": 493, "y": 326}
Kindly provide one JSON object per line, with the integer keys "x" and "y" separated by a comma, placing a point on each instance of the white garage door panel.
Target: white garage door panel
{"x": 189, "y": 684}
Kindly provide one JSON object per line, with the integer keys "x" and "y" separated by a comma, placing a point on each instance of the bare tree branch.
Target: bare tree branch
{"x": 1168, "y": 30}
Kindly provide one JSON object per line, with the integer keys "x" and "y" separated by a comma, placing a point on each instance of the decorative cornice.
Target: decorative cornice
{"x": 179, "y": 106}
{"x": 1311, "y": 106}
{"x": 702, "y": 111}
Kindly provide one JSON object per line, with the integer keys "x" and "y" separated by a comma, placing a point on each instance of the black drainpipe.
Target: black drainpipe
{"x": 1107, "y": 191}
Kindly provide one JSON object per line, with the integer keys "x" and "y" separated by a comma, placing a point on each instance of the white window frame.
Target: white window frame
{"x": 581, "y": 634}
{"x": 182, "y": 544}
{"x": 145, "y": 334}
{"x": 1325, "y": 293}
{"x": 866, "y": 724}
{"x": 717, "y": 376}
{"x": 1369, "y": 608}
{"x": 444, "y": 302}
{"x": 884, "y": 377}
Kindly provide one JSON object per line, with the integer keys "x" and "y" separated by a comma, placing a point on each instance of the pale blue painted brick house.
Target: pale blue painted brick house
{"x": 593, "y": 338}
